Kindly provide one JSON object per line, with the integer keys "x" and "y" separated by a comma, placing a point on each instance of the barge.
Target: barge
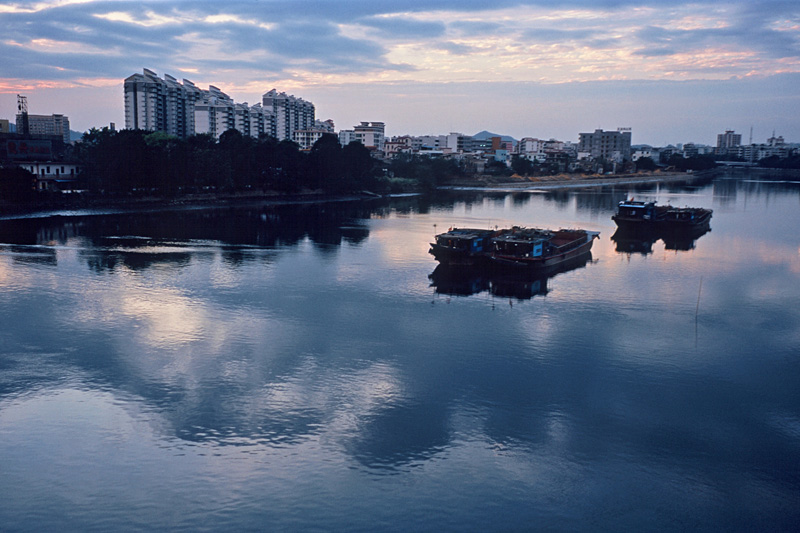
{"x": 529, "y": 249}
{"x": 634, "y": 215}
{"x": 540, "y": 249}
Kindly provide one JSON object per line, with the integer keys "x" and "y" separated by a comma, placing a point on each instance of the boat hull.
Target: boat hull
{"x": 701, "y": 221}
{"x": 634, "y": 224}
{"x": 546, "y": 263}
{"x": 450, "y": 256}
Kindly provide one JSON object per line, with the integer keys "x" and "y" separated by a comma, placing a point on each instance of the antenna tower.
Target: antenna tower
{"x": 22, "y": 107}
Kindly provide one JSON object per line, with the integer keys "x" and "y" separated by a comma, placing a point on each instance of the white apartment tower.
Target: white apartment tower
{"x": 145, "y": 102}
{"x": 215, "y": 113}
{"x": 183, "y": 109}
{"x": 291, "y": 113}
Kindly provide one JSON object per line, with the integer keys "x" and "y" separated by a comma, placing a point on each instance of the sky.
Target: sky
{"x": 674, "y": 71}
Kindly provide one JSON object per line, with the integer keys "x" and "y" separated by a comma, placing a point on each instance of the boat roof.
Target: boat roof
{"x": 632, "y": 203}
{"x": 468, "y": 232}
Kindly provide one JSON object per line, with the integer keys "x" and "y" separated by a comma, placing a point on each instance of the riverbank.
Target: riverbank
{"x": 70, "y": 204}
{"x": 67, "y": 204}
{"x": 568, "y": 181}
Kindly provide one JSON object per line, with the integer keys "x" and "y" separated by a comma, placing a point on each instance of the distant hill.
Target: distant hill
{"x": 486, "y": 135}
{"x": 75, "y": 135}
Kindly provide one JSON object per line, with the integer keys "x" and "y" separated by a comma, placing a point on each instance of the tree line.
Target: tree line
{"x": 146, "y": 163}
{"x": 130, "y": 161}
{"x": 136, "y": 161}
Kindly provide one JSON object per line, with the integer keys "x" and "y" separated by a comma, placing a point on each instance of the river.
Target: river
{"x": 301, "y": 367}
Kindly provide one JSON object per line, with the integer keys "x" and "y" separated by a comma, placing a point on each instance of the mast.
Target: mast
{"x": 22, "y": 107}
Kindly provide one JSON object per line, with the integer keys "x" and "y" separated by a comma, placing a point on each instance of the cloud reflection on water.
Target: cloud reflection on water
{"x": 282, "y": 363}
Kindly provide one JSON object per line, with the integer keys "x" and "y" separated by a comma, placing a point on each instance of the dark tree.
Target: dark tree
{"x": 17, "y": 185}
{"x": 326, "y": 163}
{"x": 522, "y": 166}
{"x": 359, "y": 167}
{"x": 645, "y": 163}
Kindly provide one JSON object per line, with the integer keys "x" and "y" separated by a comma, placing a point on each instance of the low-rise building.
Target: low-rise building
{"x": 52, "y": 175}
{"x": 346, "y": 137}
{"x": 46, "y": 125}
{"x": 398, "y": 145}
{"x": 371, "y": 135}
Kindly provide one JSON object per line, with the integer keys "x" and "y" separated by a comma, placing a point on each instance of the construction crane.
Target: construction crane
{"x": 22, "y": 107}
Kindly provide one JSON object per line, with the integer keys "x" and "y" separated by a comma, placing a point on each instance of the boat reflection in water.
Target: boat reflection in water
{"x": 634, "y": 242}
{"x": 683, "y": 239}
{"x": 641, "y": 240}
{"x": 461, "y": 280}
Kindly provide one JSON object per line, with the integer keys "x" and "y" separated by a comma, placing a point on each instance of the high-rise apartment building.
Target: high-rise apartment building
{"x": 46, "y": 125}
{"x": 291, "y": 113}
{"x": 215, "y": 113}
{"x": 610, "y": 145}
{"x": 183, "y": 109}
{"x": 728, "y": 141}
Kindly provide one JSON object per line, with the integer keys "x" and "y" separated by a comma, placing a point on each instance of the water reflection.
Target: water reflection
{"x": 634, "y": 242}
{"x": 210, "y": 347}
{"x": 640, "y": 241}
{"x": 139, "y": 241}
{"x": 466, "y": 280}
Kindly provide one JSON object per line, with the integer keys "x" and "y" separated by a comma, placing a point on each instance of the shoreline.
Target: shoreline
{"x": 86, "y": 206}
{"x": 121, "y": 205}
{"x": 564, "y": 181}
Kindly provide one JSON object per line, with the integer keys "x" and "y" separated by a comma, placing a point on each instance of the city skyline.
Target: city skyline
{"x": 674, "y": 72}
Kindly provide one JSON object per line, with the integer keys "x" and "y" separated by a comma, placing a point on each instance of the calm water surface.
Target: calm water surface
{"x": 297, "y": 368}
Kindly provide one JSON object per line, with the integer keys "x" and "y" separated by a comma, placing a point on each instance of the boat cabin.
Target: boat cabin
{"x": 464, "y": 239}
{"x": 637, "y": 210}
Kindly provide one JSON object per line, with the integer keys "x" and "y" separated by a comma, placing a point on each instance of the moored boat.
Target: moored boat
{"x": 635, "y": 215}
{"x": 463, "y": 246}
{"x": 678, "y": 218}
{"x": 540, "y": 249}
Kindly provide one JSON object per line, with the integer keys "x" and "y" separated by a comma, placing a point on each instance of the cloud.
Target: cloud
{"x": 303, "y": 40}
{"x": 308, "y": 47}
{"x": 392, "y": 27}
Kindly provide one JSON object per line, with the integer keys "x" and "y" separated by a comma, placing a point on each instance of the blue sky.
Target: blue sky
{"x": 673, "y": 71}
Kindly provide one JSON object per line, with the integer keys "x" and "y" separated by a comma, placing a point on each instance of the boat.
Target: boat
{"x": 684, "y": 218}
{"x": 531, "y": 249}
{"x": 463, "y": 246}
{"x": 632, "y": 215}
{"x": 540, "y": 250}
